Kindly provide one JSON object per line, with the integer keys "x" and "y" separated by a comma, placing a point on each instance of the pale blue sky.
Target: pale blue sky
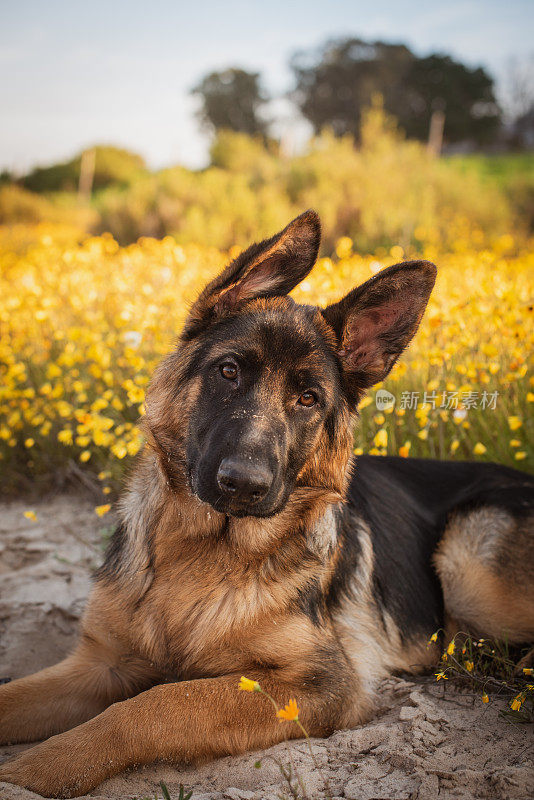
{"x": 74, "y": 73}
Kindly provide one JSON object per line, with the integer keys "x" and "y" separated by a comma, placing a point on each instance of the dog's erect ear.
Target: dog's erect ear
{"x": 271, "y": 268}
{"x": 376, "y": 321}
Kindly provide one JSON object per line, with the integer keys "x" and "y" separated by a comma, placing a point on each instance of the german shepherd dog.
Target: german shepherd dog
{"x": 251, "y": 542}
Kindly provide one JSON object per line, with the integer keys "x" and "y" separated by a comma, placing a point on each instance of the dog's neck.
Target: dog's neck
{"x": 159, "y": 520}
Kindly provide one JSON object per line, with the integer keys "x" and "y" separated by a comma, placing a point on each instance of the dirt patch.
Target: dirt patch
{"x": 427, "y": 741}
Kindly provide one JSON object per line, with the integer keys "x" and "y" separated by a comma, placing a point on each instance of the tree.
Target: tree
{"x": 518, "y": 103}
{"x": 466, "y": 96}
{"x": 232, "y": 100}
{"x": 113, "y": 166}
{"x": 335, "y": 84}
{"x": 517, "y": 88}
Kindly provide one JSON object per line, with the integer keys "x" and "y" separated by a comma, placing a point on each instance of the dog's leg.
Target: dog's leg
{"x": 485, "y": 564}
{"x": 71, "y": 692}
{"x": 180, "y": 722}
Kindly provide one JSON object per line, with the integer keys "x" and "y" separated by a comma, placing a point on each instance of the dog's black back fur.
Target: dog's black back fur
{"x": 407, "y": 504}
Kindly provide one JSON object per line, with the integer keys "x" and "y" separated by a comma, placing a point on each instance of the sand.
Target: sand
{"x": 427, "y": 741}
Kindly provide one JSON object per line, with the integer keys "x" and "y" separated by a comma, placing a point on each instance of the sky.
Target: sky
{"x": 73, "y": 73}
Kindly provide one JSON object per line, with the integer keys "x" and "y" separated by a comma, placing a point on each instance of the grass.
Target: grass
{"x": 501, "y": 169}
{"x": 493, "y": 670}
{"x": 183, "y": 794}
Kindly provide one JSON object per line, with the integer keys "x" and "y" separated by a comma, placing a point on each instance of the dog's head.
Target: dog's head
{"x": 257, "y": 399}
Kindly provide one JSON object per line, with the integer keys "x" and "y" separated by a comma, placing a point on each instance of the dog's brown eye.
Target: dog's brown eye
{"x": 307, "y": 399}
{"x": 229, "y": 371}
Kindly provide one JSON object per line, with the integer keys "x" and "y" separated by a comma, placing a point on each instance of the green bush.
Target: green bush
{"x": 17, "y": 205}
{"x": 112, "y": 166}
{"x": 385, "y": 191}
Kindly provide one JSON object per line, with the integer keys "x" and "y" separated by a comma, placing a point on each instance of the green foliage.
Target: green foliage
{"x": 216, "y": 207}
{"x": 384, "y": 191}
{"x": 232, "y": 100}
{"x": 512, "y": 174}
{"x": 379, "y": 193}
{"x": 55, "y": 178}
{"x": 253, "y": 155}
{"x": 183, "y": 793}
{"x": 493, "y": 669}
{"x": 501, "y": 170}
{"x": 465, "y": 95}
{"x": 17, "y": 205}
{"x": 113, "y": 165}
{"x": 335, "y": 85}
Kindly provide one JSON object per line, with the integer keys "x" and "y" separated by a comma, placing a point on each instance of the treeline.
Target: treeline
{"x": 379, "y": 114}
{"x": 433, "y": 97}
{"x": 380, "y": 190}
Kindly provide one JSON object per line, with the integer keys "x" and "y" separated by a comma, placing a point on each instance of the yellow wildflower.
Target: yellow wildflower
{"x": 344, "y": 247}
{"x": 119, "y": 450}
{"x": 246, "y": 685}
{"x": 381, "y": 438}
{"x": 101, "y": 510}
{"x": 528, "y": 671}
{"x": 31, "y": 515}
{"x": 479, "y": 449}
{"x": 440, "y": 676}
{"x": 469, "y": 666}
{"x": 289, "y": 712}
{"x": 516, "y": 703}
{"x": 514, "y": 423}
{"x": 485, "y": 698}
{"x": 450, "y": 648}
{"x": 404, "y": 450}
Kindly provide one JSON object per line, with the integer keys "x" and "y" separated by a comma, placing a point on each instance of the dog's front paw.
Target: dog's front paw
{"x": 33, "y": 770}
{"x": 66, "y": 765}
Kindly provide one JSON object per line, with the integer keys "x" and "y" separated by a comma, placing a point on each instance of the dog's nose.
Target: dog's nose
{"x": 243, "y": 481}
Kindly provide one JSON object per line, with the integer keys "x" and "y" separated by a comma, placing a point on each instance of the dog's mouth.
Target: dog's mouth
{"x": 227, "y": 506}
{"x": 231, "y": 508}
{"x": 243, "y": 510}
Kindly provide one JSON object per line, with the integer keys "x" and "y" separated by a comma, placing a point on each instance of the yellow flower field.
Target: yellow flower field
{"x": 83, "y": 324}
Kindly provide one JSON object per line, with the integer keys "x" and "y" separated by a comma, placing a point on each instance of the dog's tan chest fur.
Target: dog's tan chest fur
{"x": 208, "y": 609}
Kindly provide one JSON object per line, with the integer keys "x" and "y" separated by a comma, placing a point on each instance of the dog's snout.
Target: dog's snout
{"x": 244, "y": 481}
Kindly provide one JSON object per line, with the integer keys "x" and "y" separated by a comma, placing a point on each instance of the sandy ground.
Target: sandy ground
{"x": 427, "y": 741}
